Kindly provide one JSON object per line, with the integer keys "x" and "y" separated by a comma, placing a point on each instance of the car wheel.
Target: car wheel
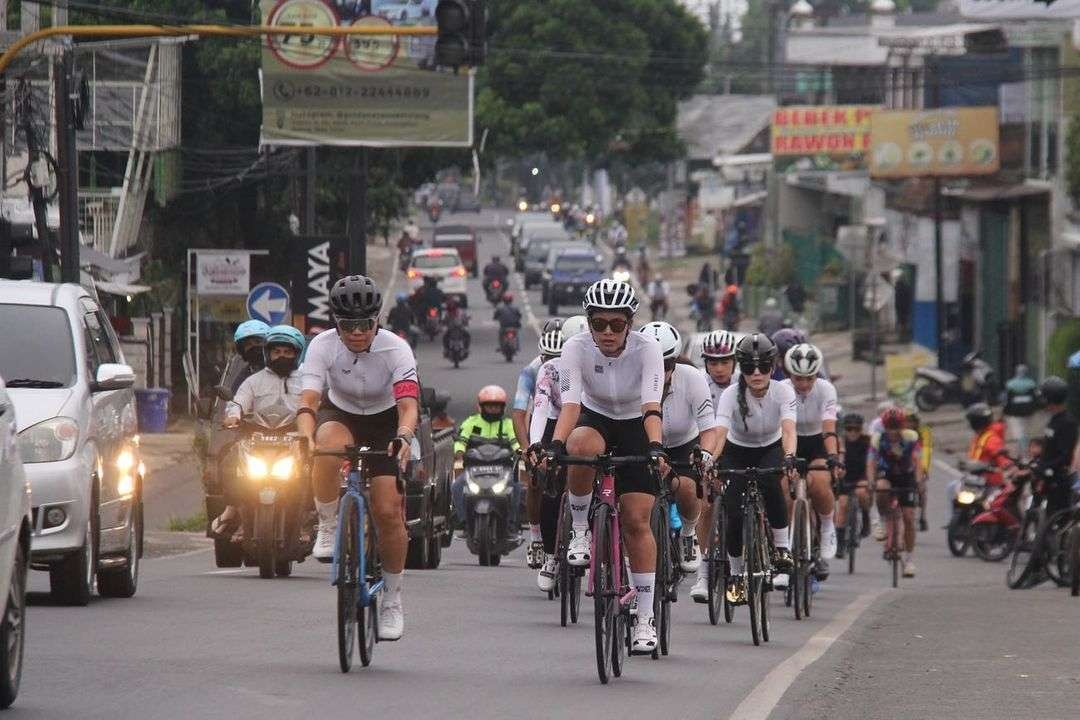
{"x": 13, "y": 629}
{"x": 73, "y": 579}
{"x": 123, "y": 582}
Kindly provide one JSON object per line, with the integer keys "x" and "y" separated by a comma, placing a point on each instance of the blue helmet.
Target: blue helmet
{"x": 285, "y": 335}
{"x": 402, "y": 297}
{"x": 249, "y": 329}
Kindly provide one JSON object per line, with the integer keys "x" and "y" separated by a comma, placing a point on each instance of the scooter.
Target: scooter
{"x": 494, "y": 290}
{"x": 456, "y": 350}
{"x": 935, "y": 387}
{"x": 489, "y": 484}
{"x": 509, "y": 343}
{"x": 431, "y": 323}
{"x": 967, "y": 503}
{"x": 997, "y": 529}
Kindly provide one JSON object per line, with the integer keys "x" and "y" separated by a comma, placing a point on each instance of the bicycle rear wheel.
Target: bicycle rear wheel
{"x": 716, "y": 562}
{"x": 603, "y": 592}
{"x": 661, "y": 605}
{"x": 575, "y": 595}
{"x": 367, "y": 617}
{"x": 1074, "y": 561}
{"x": 753, "y": 572}
{"x": 1022, "y": 566}
{"x": 563, "y": 579}
{"x": 347, "y": 556}
{"x": 1055, "y": 546}
{"x": 800, "y": 551}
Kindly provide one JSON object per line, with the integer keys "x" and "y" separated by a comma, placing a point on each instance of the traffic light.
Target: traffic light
{"x": 461, "y": 25}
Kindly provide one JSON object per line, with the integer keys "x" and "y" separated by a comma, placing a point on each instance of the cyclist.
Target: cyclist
{"x": 757, "y": 429}
{"x": 249, "y": 339}
{"x": 611, "y": 393}
{"x": 1059, "y": 443}
{"x": 523, "y": 397}
{"x": 926, "y": 456}
{"x": 274, "y": 394}
{"x": 816, "y": 428}
{"x": 360, "y": 387}
{"x": 893, "y": 459}
{"x": 689, "y": 433}
{"x": 488, "y": 423}
{"x": 547, "y": 404}
{"x": 718, "y": 352}
{"x": 852, "y": 478}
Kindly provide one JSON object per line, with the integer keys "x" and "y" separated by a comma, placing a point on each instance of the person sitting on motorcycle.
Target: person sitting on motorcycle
{"x": 506, "y": 314}
{"x": 428, "y": 296}
{"x": 495, "y": 270}
{"x": 456, "y": 319}
{"x": 273, "y": 394}
{"x": 249, "y": 338}
{"x": 490, "y": 423}
{"x": 988, "y": 442}
{"x": 400, "y": 318}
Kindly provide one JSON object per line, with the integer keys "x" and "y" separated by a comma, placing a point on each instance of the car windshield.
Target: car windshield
{"x": 42, "y": 358}
{"x": 576, "y": 263}
{"x": 436, "y": 262}
{"x": 538, "y": 249}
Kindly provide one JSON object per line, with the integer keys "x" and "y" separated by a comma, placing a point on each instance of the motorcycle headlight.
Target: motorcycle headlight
{"x": 49, "y": 441}
{"x": 965, "y": 497}
{"x": 256, "y": 467}
{"x": 500, "y": 486}
{"x": 283, "y": 468}
{"x": 125, "y": 460}
{"x": 473, "y": 487}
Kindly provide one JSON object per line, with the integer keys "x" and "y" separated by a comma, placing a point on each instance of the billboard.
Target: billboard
{"x": 316, "y": 262}
{"x": 378, "y": 91}
{"x": 825, "y": 137}
{"x": 1019, "y": 9}
{"x": 947, "y": 141}
{"x": 223, "y": 273}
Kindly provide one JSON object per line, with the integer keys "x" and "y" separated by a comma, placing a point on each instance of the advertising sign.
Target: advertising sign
{"x": 822, "y": 137}
{"x": 223, "y": 273}
{"x": 380, "y": 91}
{"x": 948, "y": 141}
{"x": 1019, "y": 9}
{"x": 317, "y": 262}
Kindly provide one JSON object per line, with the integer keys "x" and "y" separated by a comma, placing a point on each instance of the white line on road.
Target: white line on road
{"x": 765, "y": 696}
{"x": 235, "y": 571}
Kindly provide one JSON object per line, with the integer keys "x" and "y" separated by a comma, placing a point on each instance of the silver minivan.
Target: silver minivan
{"x": 78, "y": 438}
{"x": 15, "y": 524}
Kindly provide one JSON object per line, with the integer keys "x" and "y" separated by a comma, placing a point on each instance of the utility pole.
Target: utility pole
{"x": 307, "y": 192}
{"x": 68, "y": 174}
{"x": 37, "y": 182}
{"x": 356, "y": 228}
{"x": 933, "y": 77}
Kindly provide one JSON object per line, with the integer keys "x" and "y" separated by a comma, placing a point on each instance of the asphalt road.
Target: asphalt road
{"x": 484, "y": 643}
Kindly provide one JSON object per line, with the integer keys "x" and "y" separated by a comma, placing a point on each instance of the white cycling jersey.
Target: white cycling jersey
{"x": 615, "y": 387}
{"x": 358, "y": 383}
{"x": 270, "y": 397}
{"x": 762, "y": 426}
{"x": 547, "y": 400}
{"x": 688, "y": 407}
{"x": 815, "y": 407}
{"x": 715, "y": 391}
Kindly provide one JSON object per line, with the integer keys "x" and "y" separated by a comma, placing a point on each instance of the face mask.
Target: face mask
{"x": 282, "y": 366}
{"x": 254, "y": 357}
{"x": 491, "y": 417}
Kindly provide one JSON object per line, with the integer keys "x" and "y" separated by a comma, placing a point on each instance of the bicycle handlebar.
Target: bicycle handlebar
{"x": 604, "y": 461}
{"x": 351, "y": 451}
{"x": 749, "y": 472}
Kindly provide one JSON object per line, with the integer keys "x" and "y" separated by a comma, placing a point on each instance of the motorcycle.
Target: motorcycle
{"x": 935, "y": 387}
{"x": 431, "y": 323}
{"x": 494, "y": 290}
{"x": 456, "y": 348}
{"x": 968, "y": 502}
{"x": 508, "y": 343}
{"x": 489, "y": 484}
{"x": 405, "y": 257}
{"x": 408, "y": 336}
{"x": 997, "y": 528}
{"x": 277, "y": 510}
{"x": 434, "y": 211}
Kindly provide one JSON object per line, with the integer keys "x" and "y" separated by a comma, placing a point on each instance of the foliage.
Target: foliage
{"x": 1072, "y": 158}
{"x": 771, "y": 267}
{"x": 191, "y": 523}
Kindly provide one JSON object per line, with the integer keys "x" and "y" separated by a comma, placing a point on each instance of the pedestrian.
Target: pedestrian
{"x": 796, "y": 296}
{"x": 1021, "y": 402}
{"x": 902, "y": 300}
{"x": 705, "y": 277}
{"x": 658, "y": 291}
{"x": 729, "y": 307}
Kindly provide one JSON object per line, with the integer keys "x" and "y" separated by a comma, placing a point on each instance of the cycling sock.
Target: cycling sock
{"x": 736, "y": 564}
{"x": 827, "y": 524}
{"x": 534, "y": 533}
{"x": 875, "y": 516}
{"x": 327, "y": 511}
{"x": 393, "y": 582}
{"x": 703, "y": 572}
{"x": 689, "y": 527}
{"x": 908, "y": 556}
{"x": 643, "y": 583}
{"x": 579, "y": 510}
{"x": 780, "y": 538}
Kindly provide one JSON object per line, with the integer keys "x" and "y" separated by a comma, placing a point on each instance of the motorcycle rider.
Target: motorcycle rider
{"x": 401, "y": 319}
{"x": 987, "y": 442}
{"x": 495, "y": 270}
{"x": 428, "y": 296}
{"x": 507, "y": 315}
{"x": 658, "y": 292}
{"x": 457, "y": 321}
{"x": 360, "y": 387}
{"x": 1059, "y": 444}
{"x": 249, "y": 339}
{"x": 274, "y": 390}
{"x": 488, "y": 423}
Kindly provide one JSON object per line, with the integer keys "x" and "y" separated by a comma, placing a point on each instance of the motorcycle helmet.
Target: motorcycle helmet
{"x": 574, "y": 325}
{"x": 802, "y": 360}
{"x": 491, "y": 395}
{"x": 718, "y": 345}
{"x": 288, "y": 336}
{"x": 1054, "y": 390}
{"x": 979, "y": 416}
{"x": 248, "y": 330}
{"x": 668, "y": 336}
{"x": 356, "y": 297}
{"x": 609, "y": 294}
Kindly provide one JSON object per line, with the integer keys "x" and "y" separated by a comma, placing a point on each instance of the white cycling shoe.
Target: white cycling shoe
{"x": 324, "y": 541}
{"x": 545, "y": 579}
{"x": 780, "y": 581}
{"x": 700, "y": 592}
{"x": 643, "y": 637}
{"x": 828, "y": 544}
{"x": 691, "y": 554}
{"x": 579, "y": 551}
{"x": 391, "y": 619}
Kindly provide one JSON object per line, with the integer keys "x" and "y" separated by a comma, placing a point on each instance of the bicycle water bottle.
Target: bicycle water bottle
{"x": 676, "y": 519}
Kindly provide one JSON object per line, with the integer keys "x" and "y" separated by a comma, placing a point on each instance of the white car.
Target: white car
{"x": 78, "y": 438}
{"x": 403, "y": 10}
{"x": 15, "y": 528}
{"x": 443, "y": 264}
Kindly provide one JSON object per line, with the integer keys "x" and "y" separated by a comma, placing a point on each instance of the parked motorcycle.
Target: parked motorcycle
{"x": 455, "y": 349}
{"x": 509, "y": 343}
{"x": 489, "y": 483}
{"x": 935, "y": 387}
{"x": 494, "y": 290}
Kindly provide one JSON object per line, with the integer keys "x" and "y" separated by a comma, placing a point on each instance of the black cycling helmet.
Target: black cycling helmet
{"x": 754, "y": 348}
{"x": 854, "y": 420}
{"x": 979, "y": 416}
{"x": 787, "y": 338}
{"x": 1054, "y": 390}
{"x": 355, "y": 297}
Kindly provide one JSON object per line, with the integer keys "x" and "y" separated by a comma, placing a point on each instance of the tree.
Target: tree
{"x": 1072, "y": 158}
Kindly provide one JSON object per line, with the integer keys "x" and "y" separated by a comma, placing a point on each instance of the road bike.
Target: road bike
{"x": 804, "y": 546}
{"x": 757, "y": 548}
{"x": 717, "y": 566}
{"x": 356, "y": 571}
{"x": 894, "y": 529}
{"x": 852, "y": 529}
{"x": 1043, "y": 549}
{"x": 669, "y": 572}
{"x": 568, "y": 577}
{"x": 609, "y": 581}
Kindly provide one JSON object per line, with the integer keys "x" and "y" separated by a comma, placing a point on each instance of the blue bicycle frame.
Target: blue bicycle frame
{"x": 366, "y": 590}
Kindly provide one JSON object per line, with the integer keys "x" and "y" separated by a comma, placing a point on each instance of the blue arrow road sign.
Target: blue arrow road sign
{"x": 268, "y": 302}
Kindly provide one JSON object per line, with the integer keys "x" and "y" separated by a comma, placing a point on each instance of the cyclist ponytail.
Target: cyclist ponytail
{"x": 744, "y": 407}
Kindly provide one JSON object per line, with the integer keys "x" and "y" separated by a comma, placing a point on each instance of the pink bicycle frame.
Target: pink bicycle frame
{"x": 606, "y": 494}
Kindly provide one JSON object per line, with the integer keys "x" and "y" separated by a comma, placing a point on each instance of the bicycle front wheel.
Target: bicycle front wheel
{"x": 367, "y": 617}
{"x": 1074, "y": 561}
{"x": 1054, "y": 542}
{"x": 347, "y": 557}
{"x": 854, "y": 529}
{"x": 753, "y": 572}
{"x": 1022, "y": 567}
{"x": 603, "y": 592}
{"x": 565, "y": 577}
{"x": 716, "y": 560}
{"x": 800, "y": 553}
{"x": 661, "y": 533}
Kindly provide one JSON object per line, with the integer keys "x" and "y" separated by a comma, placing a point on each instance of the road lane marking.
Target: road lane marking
{"x": 235, "y": 571}
{"x": 766, "y": 695}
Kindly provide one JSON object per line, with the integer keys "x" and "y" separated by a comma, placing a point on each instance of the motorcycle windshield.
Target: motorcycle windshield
{"x": 488, "y": 454}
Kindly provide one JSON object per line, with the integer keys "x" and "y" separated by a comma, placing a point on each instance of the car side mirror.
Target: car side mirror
{"x": 223, "y": 392}
{"x": 112, "y": 376}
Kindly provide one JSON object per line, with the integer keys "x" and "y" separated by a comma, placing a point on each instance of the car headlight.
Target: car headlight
{"x": 49, "y": 441}
{"x": 256, "y": 467}
{"x": 500, "y": 486}
{"x": 283, "y": 468}
{"x": 965, "y": 497}
{"x": 473, "y": 487}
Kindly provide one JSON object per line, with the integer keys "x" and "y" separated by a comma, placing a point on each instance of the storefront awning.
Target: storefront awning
{"x": 115, "y": 288}
{"x": 996, "y": 193}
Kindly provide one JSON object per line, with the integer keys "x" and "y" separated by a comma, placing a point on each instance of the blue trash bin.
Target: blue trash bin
{"x": 152, "y": 408}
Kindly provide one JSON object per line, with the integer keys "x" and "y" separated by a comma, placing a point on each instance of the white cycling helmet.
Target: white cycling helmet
{"x": 610, "y": 294}
{"x": 551, "y": 343}
{"x": 718, "y": 344}
{"x": 670, "y": 340}
{"x": 574, "y": 325}
{"x": 803, "y": 360}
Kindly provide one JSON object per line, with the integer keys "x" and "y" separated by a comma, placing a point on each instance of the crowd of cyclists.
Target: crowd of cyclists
{"x": 599, "y": 385}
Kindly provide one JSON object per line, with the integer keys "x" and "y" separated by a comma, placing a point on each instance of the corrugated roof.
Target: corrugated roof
{"x": 712, "y": 125}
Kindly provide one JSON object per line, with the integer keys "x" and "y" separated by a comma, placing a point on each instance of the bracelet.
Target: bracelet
{"x": 655, "y": 413}
{"x": 306, "y": 411}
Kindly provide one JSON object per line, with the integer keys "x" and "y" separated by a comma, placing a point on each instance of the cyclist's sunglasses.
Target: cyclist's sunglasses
{"x": 351, "y": 325}
{"x": 599, "y": 324}
{"x": 765, "y": 367}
